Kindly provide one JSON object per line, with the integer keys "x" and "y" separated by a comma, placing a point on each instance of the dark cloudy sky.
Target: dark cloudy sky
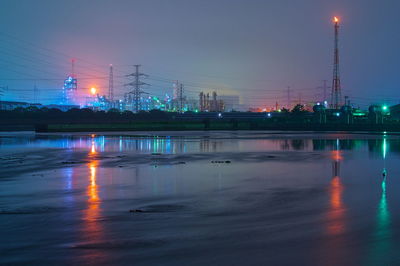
{"x": 252, "y": 48}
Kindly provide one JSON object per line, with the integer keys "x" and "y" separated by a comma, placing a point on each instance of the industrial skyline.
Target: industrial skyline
{"x": 258, "y": 67}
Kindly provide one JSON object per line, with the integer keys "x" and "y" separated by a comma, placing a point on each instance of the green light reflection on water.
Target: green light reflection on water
{"x": 381, "y": 241}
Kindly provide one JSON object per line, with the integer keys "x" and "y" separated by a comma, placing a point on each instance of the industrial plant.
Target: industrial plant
{"x": 137, "y": 97}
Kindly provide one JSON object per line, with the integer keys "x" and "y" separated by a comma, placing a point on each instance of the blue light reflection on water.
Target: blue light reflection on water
{"x": 166, "y": 144}
{"x": 333, "y": 173}
{"x": 99, "y": 143}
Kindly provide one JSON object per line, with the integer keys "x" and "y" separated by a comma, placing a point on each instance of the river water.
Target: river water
{"x": 187, "y": 198}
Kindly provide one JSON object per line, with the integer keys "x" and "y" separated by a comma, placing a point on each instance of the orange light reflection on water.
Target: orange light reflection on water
{"x": 332, "y": 250}
{"x": 336, "y": 213}
{"x": 336, "y": 155}
{"x": 92, "y": 213}
{"x": 92, "y": 229}
{"x": 93, "y": 148}
{"x": 93, "y": 191}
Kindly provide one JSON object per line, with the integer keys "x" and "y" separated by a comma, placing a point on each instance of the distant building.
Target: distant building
{"x": 210, "y": 104}
{"x": 151, "y": 103}
{"x": 69, "y": 90}
{"x": 192, "y": 105}
{"x": 97, "y": 102}
{"x": 231, "y": 102}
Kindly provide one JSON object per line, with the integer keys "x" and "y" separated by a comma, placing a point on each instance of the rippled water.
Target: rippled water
{"x": 219, "y": 198}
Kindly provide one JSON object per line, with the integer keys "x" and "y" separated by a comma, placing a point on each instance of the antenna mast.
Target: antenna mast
{"x": 336, "y": 100}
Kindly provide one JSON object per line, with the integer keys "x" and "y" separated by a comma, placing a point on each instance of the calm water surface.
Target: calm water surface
{"x": 215, "y": 198}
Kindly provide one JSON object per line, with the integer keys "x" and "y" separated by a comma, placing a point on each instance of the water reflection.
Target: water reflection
{"x": 173, "y": 145}
{"x": 92, "y": 228}
{"x": 207, "y": 145}
{"x": 383, "y": 233}
{"x": 381, "y": 240}
{"x": 295, "y": 144}
{"x": 334, "y": 219}
{"x": 93, "y": 147}
{"x": 333, "y": 248}
{"x": 68, "y": 184}
{"x": 345, "y": 144}
{"x": 336, "y": 212}
{"x": 68, "y": 173}
{"x": 383, "y": 230}
{"x": 92, "y": 188}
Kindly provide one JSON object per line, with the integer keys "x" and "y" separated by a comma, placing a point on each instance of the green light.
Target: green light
{"x": 384, "y": 108}
{"x": 359, "y": 114}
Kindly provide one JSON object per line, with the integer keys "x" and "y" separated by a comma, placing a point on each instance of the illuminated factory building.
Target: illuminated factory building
{"x": 69, "y": 90}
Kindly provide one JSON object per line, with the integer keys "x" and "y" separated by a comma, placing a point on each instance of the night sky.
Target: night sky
{"x": 251, "y": 48}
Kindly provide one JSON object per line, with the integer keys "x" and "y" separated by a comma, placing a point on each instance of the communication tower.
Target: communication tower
{"x": 336, "y": 99}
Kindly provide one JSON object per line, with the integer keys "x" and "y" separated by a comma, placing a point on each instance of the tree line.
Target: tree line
{"x": 86, "y": 115}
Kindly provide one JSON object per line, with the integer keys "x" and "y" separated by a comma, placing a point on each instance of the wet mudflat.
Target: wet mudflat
{"x": 189, "y": 198}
